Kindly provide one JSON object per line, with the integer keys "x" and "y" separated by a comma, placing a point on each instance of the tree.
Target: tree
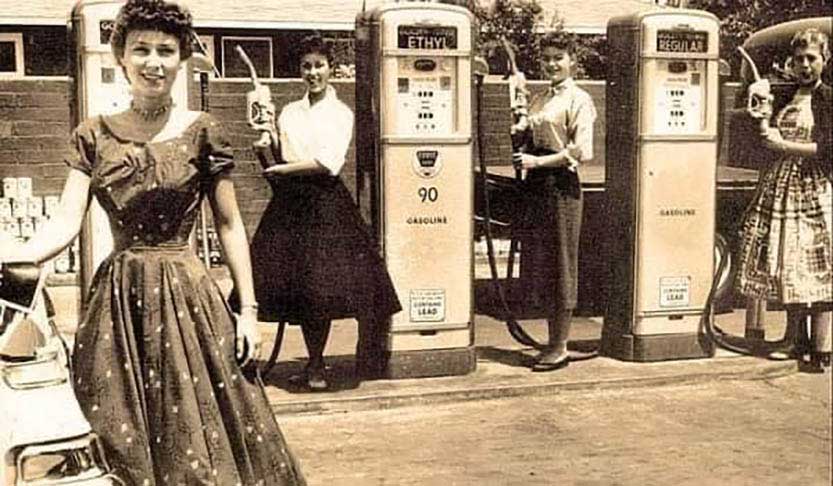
{"x": 523, "y": 24}
{"x": 517, "y": 21}
{"x": 740, "y": 18}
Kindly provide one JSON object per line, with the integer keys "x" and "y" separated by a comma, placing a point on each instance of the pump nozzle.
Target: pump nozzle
{"x": 261, "y": 111}
{"x": 201, "y": 60}
{"x": 758, "y": 105}
{"x": 751, "y": 63}
{"x": 249, "y": 64}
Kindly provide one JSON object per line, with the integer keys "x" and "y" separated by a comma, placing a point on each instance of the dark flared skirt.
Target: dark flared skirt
{"x": 155, "y": 374}
{"x": 313, "y": 257}
{"x": 549, "y": 237}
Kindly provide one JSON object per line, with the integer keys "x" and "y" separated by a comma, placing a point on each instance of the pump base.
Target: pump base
{"x": 431, "y": 362}
{"x": 655, "y": 347}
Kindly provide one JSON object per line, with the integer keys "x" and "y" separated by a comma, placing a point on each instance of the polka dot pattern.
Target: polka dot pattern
{"x": 155, "y": 370}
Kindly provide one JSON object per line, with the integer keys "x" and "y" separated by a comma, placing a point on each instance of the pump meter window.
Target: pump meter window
{"x": 680, "y": 84}
{"x": 426, "y": 83}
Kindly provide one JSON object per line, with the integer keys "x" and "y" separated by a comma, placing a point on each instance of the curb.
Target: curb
{"x": 457, "y": 394}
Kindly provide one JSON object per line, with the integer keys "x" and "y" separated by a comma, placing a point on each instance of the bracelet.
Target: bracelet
{"x": 253, "y": 306}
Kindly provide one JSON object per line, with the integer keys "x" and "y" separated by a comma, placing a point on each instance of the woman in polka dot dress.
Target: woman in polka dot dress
{"x": 155, "y": 357}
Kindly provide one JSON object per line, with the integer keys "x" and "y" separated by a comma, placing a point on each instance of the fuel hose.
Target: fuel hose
{"x": 735, "y": 344}
{"x": 513, "y": 326}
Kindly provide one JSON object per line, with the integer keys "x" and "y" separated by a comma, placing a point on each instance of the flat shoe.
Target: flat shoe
{"x": 551, "y": 366}
{"x": 310, "y": 381}
{"x": 316, "y": 381}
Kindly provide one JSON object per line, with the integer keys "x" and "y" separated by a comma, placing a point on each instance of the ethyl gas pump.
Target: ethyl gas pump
{"x": 101, "y": 88}
{"x": 662, "y": 111}
{"x": 414, "y": 153}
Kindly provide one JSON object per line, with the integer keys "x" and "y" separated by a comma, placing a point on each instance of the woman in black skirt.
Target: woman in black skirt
{"x": 313, "y": 256}
{"x": 561, "y": 122}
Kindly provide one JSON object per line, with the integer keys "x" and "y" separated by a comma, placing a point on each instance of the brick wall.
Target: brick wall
{"x": 34, "y": 124}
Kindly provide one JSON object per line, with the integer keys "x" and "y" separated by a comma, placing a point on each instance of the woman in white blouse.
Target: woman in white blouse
{"x": 313, "y": 257}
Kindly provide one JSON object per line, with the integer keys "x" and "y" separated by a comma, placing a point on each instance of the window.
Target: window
{"x": 45, "y": 50}
{"x": 11, "y": 54}
{"x": 259, "y": 50}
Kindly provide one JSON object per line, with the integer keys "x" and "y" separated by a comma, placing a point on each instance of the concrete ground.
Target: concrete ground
{"x": 502, "y": 368}
{"x": 773, "y": 431}
{"x": 729, "y": 419}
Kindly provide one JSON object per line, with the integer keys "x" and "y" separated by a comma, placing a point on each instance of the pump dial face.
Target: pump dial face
{"x": 679, "y": 96}
{"x": 424, "y": 96}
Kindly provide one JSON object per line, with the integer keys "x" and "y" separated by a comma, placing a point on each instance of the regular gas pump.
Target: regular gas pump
{"x": 101, "y": 88}
{"x": 414, "y": 152}
{"x": 662, "y": 146}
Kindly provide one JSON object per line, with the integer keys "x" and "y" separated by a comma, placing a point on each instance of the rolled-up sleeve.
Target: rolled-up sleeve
{"x": 582, "y": 118}
{"x": 321, "y": 133}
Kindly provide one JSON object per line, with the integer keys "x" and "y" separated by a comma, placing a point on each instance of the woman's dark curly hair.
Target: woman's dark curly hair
{"x": 560, "y": 41}
{"x": 167, "y": 17}
{"x": 314, "y": 43}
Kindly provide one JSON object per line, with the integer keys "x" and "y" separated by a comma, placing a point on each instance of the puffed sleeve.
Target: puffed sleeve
{"x": 81, "y": 153}
{"x": 215, "y": 152}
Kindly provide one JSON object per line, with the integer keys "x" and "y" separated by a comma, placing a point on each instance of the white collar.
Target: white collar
{"x": 562, "y": 86}
{"x": 329, "y": 95}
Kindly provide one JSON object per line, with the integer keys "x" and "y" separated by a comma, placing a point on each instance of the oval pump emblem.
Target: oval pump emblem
{"x": 425, "y": 65}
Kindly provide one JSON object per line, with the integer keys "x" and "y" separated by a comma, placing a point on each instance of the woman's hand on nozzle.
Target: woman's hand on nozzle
{"x": 773, "y": 140}
{"x": 524, "y": 161}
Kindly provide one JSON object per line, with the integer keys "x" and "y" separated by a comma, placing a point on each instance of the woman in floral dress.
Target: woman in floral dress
{"x": 786, "y": 237}
{"x": 155, "y": 357}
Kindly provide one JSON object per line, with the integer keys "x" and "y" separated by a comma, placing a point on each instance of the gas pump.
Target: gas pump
{"x": 101, "y": 88}
{"x": 662, "y": 145}
{"x": 414, "y": 152}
